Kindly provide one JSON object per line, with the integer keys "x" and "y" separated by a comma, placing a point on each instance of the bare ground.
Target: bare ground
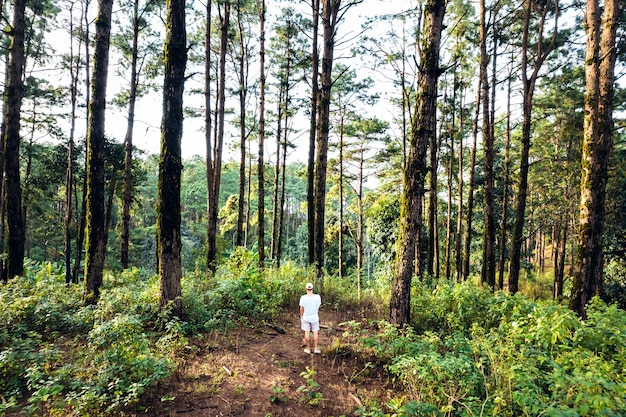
{"x": 257, "y": 372}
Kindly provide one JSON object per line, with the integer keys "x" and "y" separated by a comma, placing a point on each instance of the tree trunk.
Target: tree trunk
{"x": 433, "y": 247}
{"x": 13, "y": 95}
{"x": 416, "y": 169}
{"x": 216, "y": 171}
{"x": 528, "y": 90}
{"x": 279, "y": 121}
{"x": 261, "y": 164}
{"x": 460, "y": 182}
{"x": 505, "y": 188}
{"x": 340, "y": 236}
{"x": 489, "y": 237}
{"x": 470, "y": 192}
{"x": 128, "y": 143}
{"x": 95, "y": 245}
{"x": 559, "y": 257}
{"x": 310, "y": 185}
{"x": 208, "y": 117}
{"x": 170, "y": 163}
{"x": 74, "y": 65}
{"x": 281, "y": 205}
{"x": 83, "y": 209}
{"x": 596, "y": 151}
{"x": 243, "y": 87}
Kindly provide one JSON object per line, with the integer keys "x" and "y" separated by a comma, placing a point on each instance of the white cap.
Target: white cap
{"x": 309, "y": 286}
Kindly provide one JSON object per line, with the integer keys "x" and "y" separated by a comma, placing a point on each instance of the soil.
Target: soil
{"x": 257, "y": 372}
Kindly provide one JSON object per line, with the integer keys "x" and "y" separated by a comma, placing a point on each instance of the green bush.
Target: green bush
{"x": 477, "y": 353}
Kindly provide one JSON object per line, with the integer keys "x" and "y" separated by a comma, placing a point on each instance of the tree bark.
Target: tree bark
{"x": 243, "y": 87}
{"x": 74, "y": 65}
{"x": 95, "y": 216}
{"x": 208, "y": 117}
{"x": 528, "y": 91}
{"x": 310, "y": 187}
{"x": 260, "y": 162}
{"x": 416, "y": 169}
{"x": 128, "y": 143}
{"x": 216, "y": 171}
{"x": 13, "y": 94}
{"x": 505, "y": 188}
{"x": 170, "y": 163}
{"x": 489, "y": 237}
{"x": 596, "y": 151}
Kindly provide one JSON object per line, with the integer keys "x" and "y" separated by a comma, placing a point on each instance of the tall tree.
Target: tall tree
{"x": 416, "y": 169}
{"x": 260, "y": 162}
{"x": 531, "y": 60}
{"x": 310, "y": 189}
{"x": 215, "y": 172}
{"x": 134, "y": 59}
{"x": 95, "y": 214}
{"x": 243, "y": 63}
{"x": 170, "y": 164}
{"x": 74, "y": 68}
{"x": 332, "y": 14}
{"x": 489, "y": 238}
{"x": 13, "y": 94}
{"x": 208, "y": 118}
{"x": 596, "y": 150}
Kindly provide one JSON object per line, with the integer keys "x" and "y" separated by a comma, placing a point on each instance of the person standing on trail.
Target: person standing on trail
{"x": 309, "y": 318}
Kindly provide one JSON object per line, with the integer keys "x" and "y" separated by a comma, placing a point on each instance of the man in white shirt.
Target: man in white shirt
{"x": 309, "y": 318}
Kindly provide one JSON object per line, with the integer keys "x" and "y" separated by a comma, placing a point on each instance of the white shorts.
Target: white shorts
{"x": 311, "y": 326}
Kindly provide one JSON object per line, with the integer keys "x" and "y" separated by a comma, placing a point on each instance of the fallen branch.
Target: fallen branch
{"x": 356, "y": 399}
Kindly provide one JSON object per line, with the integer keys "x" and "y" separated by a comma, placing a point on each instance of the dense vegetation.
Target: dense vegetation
{"x": 416, "y": 196}
{"x": 469, "y": 351}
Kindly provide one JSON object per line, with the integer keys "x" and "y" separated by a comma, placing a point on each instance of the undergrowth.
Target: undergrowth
{"x": 468, "y": 351}
{"x": 474, "y": 353}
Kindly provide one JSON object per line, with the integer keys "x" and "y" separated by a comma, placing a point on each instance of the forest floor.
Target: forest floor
{"x": 257, "y": 372}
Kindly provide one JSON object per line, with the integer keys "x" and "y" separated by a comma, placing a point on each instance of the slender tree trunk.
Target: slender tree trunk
{"x": 450, "y": 173}
{"x": 340, "y": 250}
{"x": 95, "y": 247}
{"x": 330, "y": 9}
{"x": 559, "y": 257}
{"x": 83, "y": 210}
{"x": 74, "y": 65}
{"x": 242, "y": 128}
{"x": 279, "y": 121}
{"x": 13, "y": 95}
{"x": 3, "y": 190}
{"x": 596, "y": 151}
{"x": 470, "y": 191}
{"x": 505, "y": 188}
{"x": 310, "y": 186}
{"x": 281, "y": 206}
{"x": 261, "y": 164}
{"x": 208, "y": 117}
{"x": 489, "y": 237}
{"x": 219, "y": 142}
{"x": 415, "y": 172}
{"x": 170, "y": 162}
{"x": 527, "y": 105}
{"x": 460, "y": 182}
{"x": 128, "y": 143}
{"x": 433, "y": 247}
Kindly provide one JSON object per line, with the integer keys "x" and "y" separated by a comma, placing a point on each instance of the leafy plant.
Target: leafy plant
{"x": 279, "y": 394}
{"x": 310, "y": 390}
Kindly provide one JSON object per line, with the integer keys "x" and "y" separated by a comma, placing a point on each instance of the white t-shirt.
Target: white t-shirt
{"x": 311, "y": 304}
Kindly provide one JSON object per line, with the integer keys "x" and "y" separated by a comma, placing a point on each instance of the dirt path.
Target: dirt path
{"x": 257, "y": 372}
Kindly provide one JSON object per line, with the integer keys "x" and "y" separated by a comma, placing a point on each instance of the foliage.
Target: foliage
{"x": 65, "y": 357}
{"x": 310, "y": 390}
{"x": 472, "y": 352}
